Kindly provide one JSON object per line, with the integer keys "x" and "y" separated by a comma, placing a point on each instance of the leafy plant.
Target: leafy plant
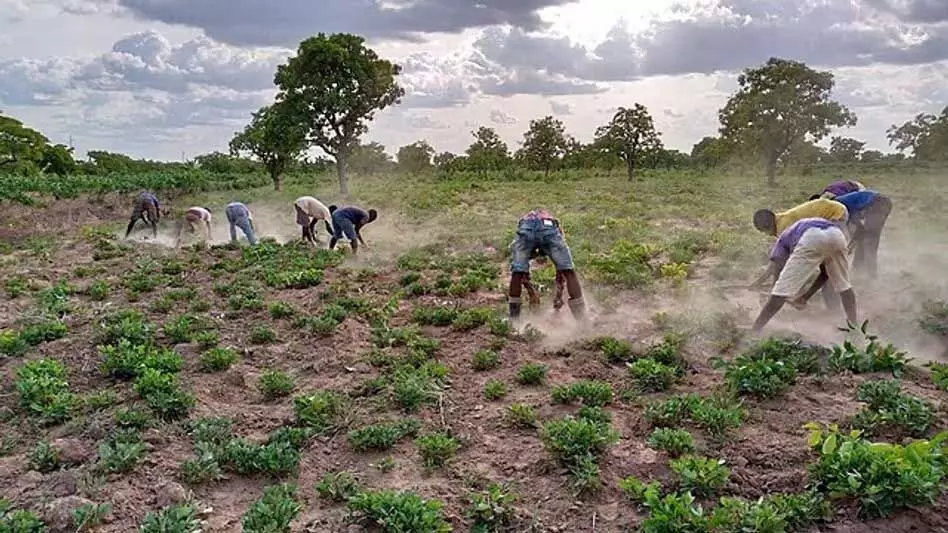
{"x": 873, "y": 357}
{"x": 486, "y": 360}
{"x": 589, "y": 392}
{"x": 44, "y": 391}
{"x": 491, "y": 510}
{"x": 614, "y": 350}
{"x": 650, "y": 375}
{"x": 19, "y": 520}
{"x": 702, "y": 476}
{"x": 274, "y": 512}
{"x": 280, "y": 310}
{"x": 275, "y": 384}
{"x": 939, "y": 375}
{"x": 262, "y": 335}
{"x": 321, "y": 410}
{"x": 89, "y": 516}
{"x": 44, "y": 458}
{"x": 218, "y": 359}
{"x": 882, "y": 478}
{"x": 398, "y": 512}
{"x": 495, "y": 389}
{"x": 532, "y": 374}
{"x": 98, "y": 291}
{"x": 577, "y": 444}
{"x": 522, "y": 415}
{"x": 163, "y": 394}
{"x": 338, "y": 486}
{"x": 674, "y": 442}
{"x": 122, "y": 452}
{"x": 436, "y": 449}
{"x": 889, "y": 408}
{"x": 383, "y": 436}
{"x": 175, "y": 519}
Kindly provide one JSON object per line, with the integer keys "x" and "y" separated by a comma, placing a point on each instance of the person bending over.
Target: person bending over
{"x": 839, "y": 188}
{"x": 239, "y": 216}
{"x": 539, "y": 230}
{"x": 349, "y": 221}
{"x": 309, "y": 211}
{"x": 192, "y": 218}
{"x": 147, "y": 210}
{"x": 797, "y": 256}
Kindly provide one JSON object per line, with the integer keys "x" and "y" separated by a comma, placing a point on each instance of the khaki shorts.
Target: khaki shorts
{"x": 817, "y": 246}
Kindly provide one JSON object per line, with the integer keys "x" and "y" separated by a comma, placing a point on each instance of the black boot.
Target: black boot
{"x": 514, "y": 304}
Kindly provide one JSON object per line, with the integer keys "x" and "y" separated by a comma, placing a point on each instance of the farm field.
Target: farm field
{"x": 282, "y": 386}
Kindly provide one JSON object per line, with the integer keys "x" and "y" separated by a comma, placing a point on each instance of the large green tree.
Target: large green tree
{"x": 778, "y": 106}
{"x": 415, "y": 157}
{"x": 19, "y": 144}
{"x": 926, "y": 136}
{"x": 544, "y": 144}
{"x": 276, "y": 136}
{"x": 57, "y": 159}
{"x": 369, "y": 159}
{"x": 845, "y": 149}
{"x": 488, "y": 151}
{"x": 335, "y": 84}
{"x": 631, "y": 136}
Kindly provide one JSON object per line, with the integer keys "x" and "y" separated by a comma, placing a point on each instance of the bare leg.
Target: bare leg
{"x": 131, "y": 226}
{"x": 576, "y": 304}
{"x": 514, "y": 292}
{"x": 770, "y": 309}
{"x": 849, "y": 305}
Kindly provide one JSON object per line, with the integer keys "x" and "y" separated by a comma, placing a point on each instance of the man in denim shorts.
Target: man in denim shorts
{"x": 538, "y": 230}
{"x": 239, "y": 216}
{"x": 147, "y": 210}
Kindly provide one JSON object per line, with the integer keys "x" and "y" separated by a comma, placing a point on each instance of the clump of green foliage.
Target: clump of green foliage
{"x": 673, "y": 441}
{"x": 275, "y": 384}
{"x": 873, "y": 357}
{"x": 578, "y": 443}
{"x": 588, "y": 392}
{"x": 44, "y": 391}
{"x": 274, "y": 512}
{"x": 436, "y": 448}
{"x": 383, "y": 436}
{"x": 398, "y": 511}
{"x": 890, "y": 409}
{"x": 718, "y": 415}
{"x": 532, "y": 374}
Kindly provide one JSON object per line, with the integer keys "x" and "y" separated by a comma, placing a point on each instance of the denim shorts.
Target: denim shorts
{"x": 543, "y": 235}
{"x": 341, "y": 225}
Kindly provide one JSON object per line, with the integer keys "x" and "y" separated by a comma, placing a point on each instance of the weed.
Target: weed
{"x": 163, "y": 394}
{"x": 881, "y": 477}
{"x": 178, "y": 518}
{"x": 19, "y": 520}
{"x": 398, "y": 512}
{"x": 183, "y": 328}
{"x": 275, "y": 384}
{"x": 44, "y": 458}
{"x": 873, "y": 357}
{"x": 939, "y": 375}
{"x": 652, "y": 376}
{"x": 12, "y": 344}
{"x": 577, "y": 443}
{"x": 522, "y": 415}
{"x": 218, "y": 359}
{"x": 161, "y": 305}
{"x": 121, "y": 454}
{"x": 436, "y": 449}
{"x": 274, "y": 512}
{"x": 89, "y": 516}
{"x": 413, "y": 388}
{"x": 435, "y": 316}
{"x": 204, "y": 469}
{"x": 485, "y": 360}
{"x": 127, "y": 360}
{"x": 491, "y": 510}
{"x": 495, "y": 389}
{"x": 262, "y": 335}
{"x": 674, "y": 442}
{"x": 532, "y": 374}
{"x": 338, "y": 486}
{"x": 383, "y": 436}
{"x": 322, "y": 410}
{"x": 16, "y": 286}
{"x": 699, "y": 475}
{"x": 132, "y": 417}
{"x": 55, "y": 300}
{"x": 591, "y": 393}
{"x": 280, "y": 310}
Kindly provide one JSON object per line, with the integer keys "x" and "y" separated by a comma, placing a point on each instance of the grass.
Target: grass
{"x": 405, "y": 354}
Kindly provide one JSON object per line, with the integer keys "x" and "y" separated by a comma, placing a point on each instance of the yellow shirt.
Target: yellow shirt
{"x": 819, "y": 208}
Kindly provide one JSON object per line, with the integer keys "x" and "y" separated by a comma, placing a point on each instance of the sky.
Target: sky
{"x": 172, "y": 79}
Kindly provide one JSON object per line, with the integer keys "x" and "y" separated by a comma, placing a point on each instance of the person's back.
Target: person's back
{"x": 312, "y": 207}
{"x": 239, "y": 216}
{"x": 839, "y": 188}
{"x": 857, "y": 201}
{"x": 238, "y": 209}
{"x": 819, "y": 208}
{"x": 351, "y": 213}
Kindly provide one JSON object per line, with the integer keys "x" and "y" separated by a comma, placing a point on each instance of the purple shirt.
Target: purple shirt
{"x": 791, "y": 236}
{"x": 839, "y": 188}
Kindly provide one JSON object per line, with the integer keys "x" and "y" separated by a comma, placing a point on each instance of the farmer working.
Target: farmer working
{"x": 349, "y": 221}
{"x": 538, "y": 230}
{"x": 192, "y": 218}
{"x": 239, "y": 216}
{"x": 147, "y": 210}
{"x": 797, "y": 256}
{"x": 309, "y": 211}
{"x": 839, "y": 188}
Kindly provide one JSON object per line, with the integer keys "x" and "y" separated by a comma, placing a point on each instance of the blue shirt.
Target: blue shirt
{"x": 791, "y": 236}
{"x": 857, "y": 201}
{"x": 150, "y": 197}
{"x": 353, "y": 214}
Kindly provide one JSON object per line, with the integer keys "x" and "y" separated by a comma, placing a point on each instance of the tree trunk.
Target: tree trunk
{"x": 277, "y": 182}
{"x": 630, "y": 167}
{"x": 342, "y": 172}
{"x": 771, "y": 167}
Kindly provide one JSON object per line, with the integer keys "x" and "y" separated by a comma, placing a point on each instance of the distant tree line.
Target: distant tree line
{"x": 330, "y": 90}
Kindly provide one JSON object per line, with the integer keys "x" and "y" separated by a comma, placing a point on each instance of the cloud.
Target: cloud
{"x": 434, "y": 82}
{"x": 730, "y": 35}
{"x": 148, "y": 61}
{"x": 287, "y": 22}
{"x": 36, "y": 82}
{"x": 561, "y": 108}
{"x": 499, "y": 117}
{"x": 426, "y": 122}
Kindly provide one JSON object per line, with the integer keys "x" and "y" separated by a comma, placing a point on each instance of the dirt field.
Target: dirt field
{"x": 363, "y": 329}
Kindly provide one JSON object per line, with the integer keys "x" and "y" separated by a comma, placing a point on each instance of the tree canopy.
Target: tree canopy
{"x": 334, "y": 85}
{"x": 276, "y": 136}
{"x": 544, "y": 144}
{"x": 630, "y": 135}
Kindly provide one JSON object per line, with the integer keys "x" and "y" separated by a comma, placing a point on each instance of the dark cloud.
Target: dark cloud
{"x": 561, "y": 108}
{"x": 287, "y": 22}
{"x": 499, "y": 117}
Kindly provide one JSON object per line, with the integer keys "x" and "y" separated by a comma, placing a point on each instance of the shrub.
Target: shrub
{"x": 218, "y": 359}
{"x": 532, "y": 374}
